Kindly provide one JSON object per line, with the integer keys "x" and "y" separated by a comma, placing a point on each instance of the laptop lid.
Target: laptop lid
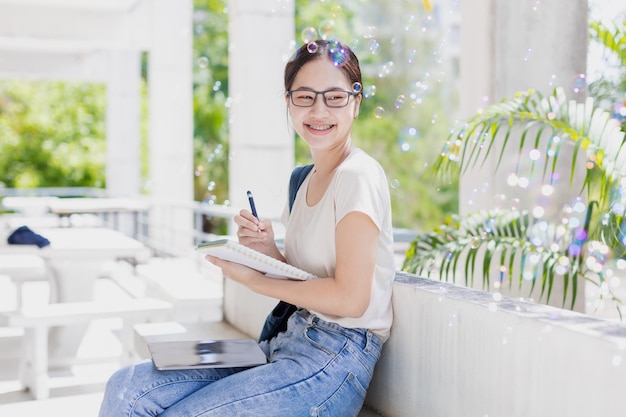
{"x": 189, "y": 354}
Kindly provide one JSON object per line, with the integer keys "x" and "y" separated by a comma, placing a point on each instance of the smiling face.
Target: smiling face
{"x": 320, "y": 126}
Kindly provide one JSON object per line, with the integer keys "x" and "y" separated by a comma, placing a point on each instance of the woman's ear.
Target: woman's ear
{"x": 357, "y": 105}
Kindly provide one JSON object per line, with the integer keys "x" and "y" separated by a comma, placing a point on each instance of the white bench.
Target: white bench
{"x": 22, "y": 268}
{"x": 37, "y": 320}
{"x": 194, "y": 290}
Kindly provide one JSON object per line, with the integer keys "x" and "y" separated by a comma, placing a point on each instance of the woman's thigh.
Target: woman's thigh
{"x": 314, "y": 372}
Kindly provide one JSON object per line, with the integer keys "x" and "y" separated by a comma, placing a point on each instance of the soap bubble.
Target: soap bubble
{"x": 399, "y": 101}
{"x": 203, "y": 62}
{"x": 579, "y": 84}
{"x": 407, "y": 138}
{"x": 411, "y": 56}
{"x": 309, "y": 35}
{"x": 369, "y": 91}
{"x": 326, "y": 29}
{"x": 370, "y": 32}
{"x": 385, "y": 70}
{"x": 374, "y": 46}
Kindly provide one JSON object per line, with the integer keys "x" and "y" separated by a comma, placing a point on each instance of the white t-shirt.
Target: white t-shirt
{"x": 359, "y": 184}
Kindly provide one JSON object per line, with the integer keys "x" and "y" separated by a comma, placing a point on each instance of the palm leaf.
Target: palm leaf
{"x": 589, "y": 128}
{"x": 459, "y": 241}
{"x": 612, "y": 36}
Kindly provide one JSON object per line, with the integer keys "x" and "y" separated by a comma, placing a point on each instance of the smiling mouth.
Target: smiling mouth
{"x": 320, "y": 127}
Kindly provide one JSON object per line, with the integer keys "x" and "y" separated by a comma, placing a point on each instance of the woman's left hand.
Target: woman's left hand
{"x": 235, "y": 271}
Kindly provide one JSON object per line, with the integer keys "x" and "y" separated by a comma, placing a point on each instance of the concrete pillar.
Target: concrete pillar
{"x": 510, "y": 46}
{"x": 171, "y": 111}
{"x": 261, "y": 145}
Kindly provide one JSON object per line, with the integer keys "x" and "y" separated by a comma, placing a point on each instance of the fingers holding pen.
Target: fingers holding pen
{"x": 248, "y": 225}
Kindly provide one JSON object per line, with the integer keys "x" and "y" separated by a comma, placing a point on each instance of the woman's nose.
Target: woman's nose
{"x": 319, "y": 107}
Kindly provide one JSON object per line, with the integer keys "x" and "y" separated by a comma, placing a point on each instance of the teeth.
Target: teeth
{"x": 320, "y": 127}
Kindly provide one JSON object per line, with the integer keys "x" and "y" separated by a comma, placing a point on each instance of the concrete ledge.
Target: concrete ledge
{"x": 456, "y": 351}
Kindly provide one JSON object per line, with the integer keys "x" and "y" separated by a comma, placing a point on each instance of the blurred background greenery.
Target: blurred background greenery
{"x": 52, "y": 133}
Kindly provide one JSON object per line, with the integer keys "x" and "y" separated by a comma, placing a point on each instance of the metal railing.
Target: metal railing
{"x": 168, "y": 228}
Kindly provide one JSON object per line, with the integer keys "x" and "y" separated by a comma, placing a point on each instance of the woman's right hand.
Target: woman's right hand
{"x": 256, "y": 234}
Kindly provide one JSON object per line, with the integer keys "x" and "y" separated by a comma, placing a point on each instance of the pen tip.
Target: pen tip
{"x": 249, "y": 193}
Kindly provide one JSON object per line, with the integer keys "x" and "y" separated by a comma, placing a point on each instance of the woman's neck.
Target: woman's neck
{"x": 327, "y": 161}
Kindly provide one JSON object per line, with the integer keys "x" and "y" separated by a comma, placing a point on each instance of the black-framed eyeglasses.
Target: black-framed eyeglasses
{"x": 332, "y": 98}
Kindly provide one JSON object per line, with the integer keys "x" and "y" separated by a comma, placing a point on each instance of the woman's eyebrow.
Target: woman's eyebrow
{"x": 312, "y": 89}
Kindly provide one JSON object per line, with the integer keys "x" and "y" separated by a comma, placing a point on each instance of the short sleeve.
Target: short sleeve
{"x": 361, "y": 186}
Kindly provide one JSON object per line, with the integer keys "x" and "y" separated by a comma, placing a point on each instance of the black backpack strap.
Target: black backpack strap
{"x": 298, "y": 176}
{"x": 276, "y": 321}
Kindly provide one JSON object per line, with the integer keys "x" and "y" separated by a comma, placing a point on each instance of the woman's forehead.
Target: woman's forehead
{"x": 321, "y": 74}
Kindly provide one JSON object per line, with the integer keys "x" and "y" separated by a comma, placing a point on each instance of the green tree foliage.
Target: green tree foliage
{"x": 210, "y": 93}
{"x": 51, "y": 134}
{"x": 404, "y": 117}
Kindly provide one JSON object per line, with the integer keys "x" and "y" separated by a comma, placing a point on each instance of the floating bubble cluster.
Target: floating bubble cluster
{"x": 338, "y": 54}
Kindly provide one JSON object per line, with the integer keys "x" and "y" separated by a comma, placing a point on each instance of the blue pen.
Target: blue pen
{"x": 252, "y": 207}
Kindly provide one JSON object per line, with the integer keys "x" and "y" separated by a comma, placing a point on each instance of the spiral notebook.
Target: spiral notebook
{"x": 233, "y": 251}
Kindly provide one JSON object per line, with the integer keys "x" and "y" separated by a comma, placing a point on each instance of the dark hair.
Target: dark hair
{"x": 341, "y": 55}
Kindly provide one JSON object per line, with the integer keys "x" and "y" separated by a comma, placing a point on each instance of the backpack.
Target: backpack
{"x": 276, "y": 321}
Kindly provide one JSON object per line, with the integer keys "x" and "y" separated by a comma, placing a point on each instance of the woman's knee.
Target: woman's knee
{"x": 128, "y": 376}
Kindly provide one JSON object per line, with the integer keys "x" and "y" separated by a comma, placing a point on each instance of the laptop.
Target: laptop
{"x": 190, "y": 354}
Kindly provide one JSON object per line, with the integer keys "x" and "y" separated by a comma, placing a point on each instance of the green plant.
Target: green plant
{"x": 508, "y": 236}
{"x": 518, "y": 244}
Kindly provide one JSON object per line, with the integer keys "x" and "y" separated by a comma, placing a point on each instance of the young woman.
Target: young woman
{"x": 339, "y": 229}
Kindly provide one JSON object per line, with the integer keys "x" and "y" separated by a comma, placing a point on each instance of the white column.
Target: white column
{"x": 171, "y": 109}
{"x": 123, "y": 123}
{"x": 261, "y": 145}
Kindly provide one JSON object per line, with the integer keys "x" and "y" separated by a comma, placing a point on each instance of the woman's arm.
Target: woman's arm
{"x": 347, "y": 294}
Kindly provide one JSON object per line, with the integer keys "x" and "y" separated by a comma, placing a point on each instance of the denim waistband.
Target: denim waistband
{"x": 361, "y": 337}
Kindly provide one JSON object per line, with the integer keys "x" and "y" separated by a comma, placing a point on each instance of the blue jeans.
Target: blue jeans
{"x": 315, "y": 368}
